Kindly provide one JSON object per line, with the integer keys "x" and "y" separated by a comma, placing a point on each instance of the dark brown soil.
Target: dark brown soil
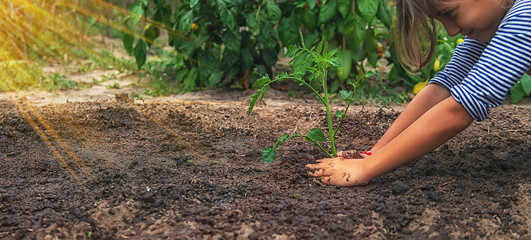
{"x": 192, "y": 170}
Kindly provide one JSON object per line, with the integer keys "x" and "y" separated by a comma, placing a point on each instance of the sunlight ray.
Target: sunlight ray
{"x": 38, "y": 26}
{"x": 46, "y": 140}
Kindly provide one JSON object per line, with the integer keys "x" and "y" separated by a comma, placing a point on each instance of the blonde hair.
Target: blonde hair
{"x": 415, "y": 24}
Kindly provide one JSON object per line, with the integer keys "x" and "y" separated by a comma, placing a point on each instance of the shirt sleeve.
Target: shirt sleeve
{"x": 463, "y": 60}
{"x": 503, "y": 62}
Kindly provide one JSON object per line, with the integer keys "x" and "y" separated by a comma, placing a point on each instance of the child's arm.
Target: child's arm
{"x": 425, "y": 100}
{"x": 454, "y": 72}
{"x": 436, "y": 126}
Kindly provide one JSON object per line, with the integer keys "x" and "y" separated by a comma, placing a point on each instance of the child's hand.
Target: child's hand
{"x": 353, "y": 154}
{"x": 340, "y": 172}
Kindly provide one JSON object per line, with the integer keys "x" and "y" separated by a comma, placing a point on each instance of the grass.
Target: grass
{"x": 55, "y": 81}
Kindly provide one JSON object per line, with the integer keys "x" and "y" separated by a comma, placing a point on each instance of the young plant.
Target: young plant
{"x": 310, "y": 68}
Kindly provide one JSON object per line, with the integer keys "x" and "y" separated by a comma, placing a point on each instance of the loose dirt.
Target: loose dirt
{"x": 189, "y": 167}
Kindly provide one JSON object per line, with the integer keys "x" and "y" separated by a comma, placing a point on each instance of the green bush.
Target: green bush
{"x": 213, "y": 39}
{"x": 241, "y": 40}
{"x": 351, "y": 27}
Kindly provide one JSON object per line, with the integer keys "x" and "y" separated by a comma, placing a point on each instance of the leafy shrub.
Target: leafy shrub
{"x": 349, "y": 26}
{"x": 241, "y": 40}
{"x": 213, "y": 39}
{"x": 521, "y": 89}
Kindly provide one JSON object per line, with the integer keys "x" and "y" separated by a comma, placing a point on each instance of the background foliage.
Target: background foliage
{"x": 240, "y": 41}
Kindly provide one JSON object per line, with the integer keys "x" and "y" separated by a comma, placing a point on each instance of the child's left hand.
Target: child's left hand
{"x": 340, "y": 172}
{"x": 353, "y": 154}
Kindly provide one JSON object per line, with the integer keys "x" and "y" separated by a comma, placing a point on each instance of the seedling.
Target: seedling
{"x": 310, "y": 68}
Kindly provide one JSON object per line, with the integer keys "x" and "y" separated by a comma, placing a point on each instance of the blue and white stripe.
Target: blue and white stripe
{"x": 480, "y": 75}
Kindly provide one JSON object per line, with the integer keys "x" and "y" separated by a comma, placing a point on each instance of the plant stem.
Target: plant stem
{"x": 362, "y": 69}
{"x": 328, "y": 114}
{"x": 314, "y": 142}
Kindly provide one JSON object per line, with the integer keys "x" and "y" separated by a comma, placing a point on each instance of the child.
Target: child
{"x": 494, "y": 56}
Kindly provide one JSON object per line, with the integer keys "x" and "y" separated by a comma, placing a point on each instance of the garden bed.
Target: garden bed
{"x": 190, "y": 167}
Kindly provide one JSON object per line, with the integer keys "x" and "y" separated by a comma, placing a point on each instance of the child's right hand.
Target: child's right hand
{"x": 338, "y": 172}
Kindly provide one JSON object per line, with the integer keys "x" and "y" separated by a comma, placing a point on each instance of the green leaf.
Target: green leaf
{"x": 517, "y": 93}
{"x": 321, "y": 46}
{"x": 283, "y": 138}
{"x": 288, "y": 31}
{"x": 394, "y": 73}
{"x": 187, "y": 48}
{"x": 254, "y": 99}
{"x": 140, "y": 53}
{"x": 252, "y": 23}
{"x": 373, "y": 58}
{"x": 180, "y": 74}
{"x": 317, "y": 135}
{"x": 246, "y": 58}
{"x": 137, "y": 12}
{"x": 328, "y": 11}
{"x": 371, "y": 73}
{"x": 185, "y": 21}
{"x": 334, "y": 86}
{"x": 414, "y": 77}
{"x": 311, "y": 39}
{"x": 268, "y": 36}
{"x": 227, "y": 18}
{"x": 335, "y": 62}
{"x": 309, "y": 19}
{"x": 292, "y": 51}
{"x": 273, "y": 11}
{"x": 369, "y": 45}
{"x": 339, "y": 114}
{"x": 162, "y": 14}
{"x": 144, "y": 3}
{"x": 368, "y": 9}
{"x": 345, "y": 95}
{"x": 526, "y": 84}
{"x": 261, "y": 83}
{"x": 329, "y": 31}
{"x": 301, "y": 64}
{"x": 128, "y": 41}
{"x": 232, "y": 41}
{"x": 354, "y": 30}
{"x": 311, "y": 4}
{"x": 215, "y": 78}
{"x": 189, "y": 82}
{"x": 343, "y": 71}
{"x": 193, "y": 3}
{"x": 384, "y": 14}
{"x": 269, "y": 155}
{"x": 344, "y": 7}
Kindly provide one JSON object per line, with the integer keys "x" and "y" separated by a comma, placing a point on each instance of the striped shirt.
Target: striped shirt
{"x": 480, "y": 75}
